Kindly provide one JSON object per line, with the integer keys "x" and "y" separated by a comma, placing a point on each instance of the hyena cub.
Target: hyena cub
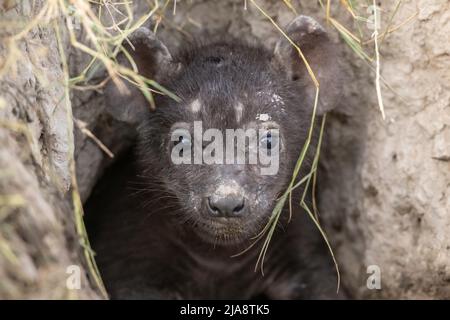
{"x": 175, "y": 238}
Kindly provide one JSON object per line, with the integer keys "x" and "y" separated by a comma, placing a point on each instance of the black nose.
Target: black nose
{"x": 226, "y": 206}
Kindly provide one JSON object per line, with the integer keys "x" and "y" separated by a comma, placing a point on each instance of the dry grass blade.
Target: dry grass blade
{"x": 83, "y": 127}
{"x": 377, "y": 61}
{"x": 269, "y": 229}
{"x": 356, "y": 44}
{"x": 77, "y": 204}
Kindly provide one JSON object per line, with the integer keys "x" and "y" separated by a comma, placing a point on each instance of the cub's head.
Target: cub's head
{"x": 227, "y": 147}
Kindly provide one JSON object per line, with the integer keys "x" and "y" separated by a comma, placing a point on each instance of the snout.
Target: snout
{"x": 228, "y": 206}
{"x": 230, "y": 213}
{"x": 227, "y": 201}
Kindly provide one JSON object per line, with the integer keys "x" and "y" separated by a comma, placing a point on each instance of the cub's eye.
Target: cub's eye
{"x": 182, "y": 139}
{"x": 269, "y": 140}
{"x": 182, "y": 136}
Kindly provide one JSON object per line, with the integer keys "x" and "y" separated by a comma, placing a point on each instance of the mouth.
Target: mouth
{"x": 227, "y": 231}
{"x": 222, "y": 231}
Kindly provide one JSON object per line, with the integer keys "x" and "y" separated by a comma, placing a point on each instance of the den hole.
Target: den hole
{"x": 102, "y": 226}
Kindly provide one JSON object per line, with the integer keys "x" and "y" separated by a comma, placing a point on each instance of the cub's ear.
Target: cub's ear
{"x": 321, "y": 55}
{"x": 151, "y": 56}
{"x": 153, "y": 61}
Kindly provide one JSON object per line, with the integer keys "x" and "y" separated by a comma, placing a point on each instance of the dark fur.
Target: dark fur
{"x": 158, "y": 243}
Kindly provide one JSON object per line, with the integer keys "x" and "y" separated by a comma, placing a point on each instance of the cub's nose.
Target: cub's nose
{"x": 231, "y": 205}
